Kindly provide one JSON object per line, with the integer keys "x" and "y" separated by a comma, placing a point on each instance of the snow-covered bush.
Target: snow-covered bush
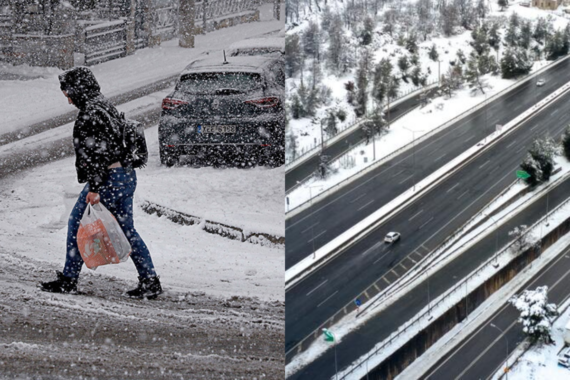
{"x": 537, "y": 314}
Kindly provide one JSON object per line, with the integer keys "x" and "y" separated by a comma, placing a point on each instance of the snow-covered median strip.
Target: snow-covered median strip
{"x": 312, "y": 262}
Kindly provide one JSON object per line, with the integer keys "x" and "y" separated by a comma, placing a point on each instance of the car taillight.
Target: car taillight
{"x": 268, "y": 102}
{"x": 170, "y": 104}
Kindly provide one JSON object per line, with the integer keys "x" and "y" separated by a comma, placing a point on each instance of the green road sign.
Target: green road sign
{"x": 329, "y": 336}
{"x": 522, "y": 174}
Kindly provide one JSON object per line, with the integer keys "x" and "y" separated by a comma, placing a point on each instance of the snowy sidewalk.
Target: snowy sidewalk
{"x": 26, "y": 102}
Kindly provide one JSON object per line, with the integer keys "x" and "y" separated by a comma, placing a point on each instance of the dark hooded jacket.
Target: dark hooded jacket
{"x": 96, "y": 138}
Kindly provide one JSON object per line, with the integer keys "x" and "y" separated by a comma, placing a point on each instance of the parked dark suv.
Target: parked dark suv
{"x": 226, "y": 113}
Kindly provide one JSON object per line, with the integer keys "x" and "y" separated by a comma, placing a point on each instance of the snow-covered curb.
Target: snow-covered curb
{"x": 326, "y": 192}
{"x": 306, "y": 266}
{"x": 213, "y": 227}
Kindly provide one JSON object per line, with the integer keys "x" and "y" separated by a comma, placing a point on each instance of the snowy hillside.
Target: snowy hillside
{"x": 350, "y": 59}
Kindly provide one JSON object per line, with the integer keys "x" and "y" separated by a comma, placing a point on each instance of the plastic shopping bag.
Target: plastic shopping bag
{"x": 100, "y": 238}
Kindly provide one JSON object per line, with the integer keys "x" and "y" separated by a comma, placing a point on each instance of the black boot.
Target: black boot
{"x": 148, "y": 288}
{"x": 63, "y": 284}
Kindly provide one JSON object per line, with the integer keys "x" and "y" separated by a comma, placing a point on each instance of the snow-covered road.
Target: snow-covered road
{"x": 223, "y": 311}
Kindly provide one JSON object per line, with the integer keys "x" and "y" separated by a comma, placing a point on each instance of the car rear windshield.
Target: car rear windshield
{"x": 211, "y": 83}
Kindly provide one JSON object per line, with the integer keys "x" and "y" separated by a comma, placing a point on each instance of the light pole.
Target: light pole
{"x": 414, "y": 152}
{"x": 507, "y": 356}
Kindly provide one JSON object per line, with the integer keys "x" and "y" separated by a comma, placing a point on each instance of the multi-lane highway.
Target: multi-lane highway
{"x": 301, "y": 172}
{"x": 483, "y": 352}
{"x": 330, "y": 217}
{"x": 423, "y": 225}
{"x": 361, "y": 341}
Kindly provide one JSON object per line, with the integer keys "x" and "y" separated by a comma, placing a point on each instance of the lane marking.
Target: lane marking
{"x": 318, "y": 286}
{"x": 422, "y": 210}
{"x": 462, "y": 194}
{"x": 328, "y": 298}
{"x": 366, "y": 294}
{"x": 511, "y": 144}
{"x": 403, "y": 266}
{"x": 457, "y": 184}
{"x": 412, "y": 260}
{"x": 423, "y": 225}
{"x": 357, "y": 198}
{"x": 308, "y": 241}
{"x": 405, "y": 179}
{"x": 377, "y": 287}
{"x": 440, "y": 157}
{"x": 365, "y": 205}
{"x": 417, "y": 253}
{"x": 536, "y": 126}
{"x": 484, "y": 164}
{"x": 395, "y": 273}
{"x": 387, "y": 281}
{"x": 398, "y": 173}
{"x": 310, "y": 227}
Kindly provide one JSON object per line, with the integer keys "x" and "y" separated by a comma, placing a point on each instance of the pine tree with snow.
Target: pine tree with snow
{"x": 404, "y": 65}
{"x": 292, "y": 55}
{"x": 311, "y": 40}
{"x": 350, "y": 92}
{"x": 392, "y": 87}
{"x": 515, "y": 62}
{"x": 292, "y": 146}
{"x": 449, "y": 17}
{"x": 556, "y": 46}
{"x": 466, "y": 13}
{"x": 362, "y": 86}
{"x": 494, "y": 38}
{"x": 525, "y": 35}
{"x": 303, "y": 95}
{"x": 536, "y": 314}
{"x": 433, "y": 54}
{"x": 544, "y": 151}
{"x": 366, "y": 34}
{"x": 512, "y": 34}
{"x": 296, "y": 107}
{"x": 479, "y": 43}
{"x": 540, "y": 31}
{"x": 418, "y": 79}
{"x": 473, "y": 75}
{"x": 412, "y": 43}
{"x": 481, "y": 9}
{"x": 503, "y": 4}
{"x": 532, "y": 167}
{"x": 378, "y": 123}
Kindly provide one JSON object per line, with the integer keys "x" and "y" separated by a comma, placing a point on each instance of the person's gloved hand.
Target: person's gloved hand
{"x": 92, "y": 198}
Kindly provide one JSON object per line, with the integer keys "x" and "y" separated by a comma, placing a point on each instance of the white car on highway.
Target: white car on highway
{"x": 540, "y": 82}
{"x": 392, "y": 237}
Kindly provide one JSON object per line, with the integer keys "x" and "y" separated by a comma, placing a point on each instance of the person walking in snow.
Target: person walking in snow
{"x": 100, "y": 161}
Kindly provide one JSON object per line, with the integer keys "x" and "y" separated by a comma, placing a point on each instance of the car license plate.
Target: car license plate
{"x": 217, "y": 129}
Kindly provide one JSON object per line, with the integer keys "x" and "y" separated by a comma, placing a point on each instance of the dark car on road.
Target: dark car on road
{"x": 226, "y": 113}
